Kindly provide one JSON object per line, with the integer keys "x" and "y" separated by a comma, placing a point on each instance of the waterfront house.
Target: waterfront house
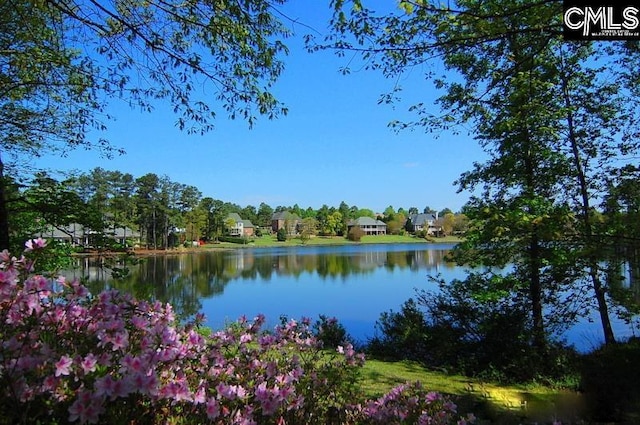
{"x": 238, "y": 227}
{"x": 368, "y": 225}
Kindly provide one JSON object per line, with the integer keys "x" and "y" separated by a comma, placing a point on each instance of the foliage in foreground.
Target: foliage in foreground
{"x": 68, "y": 356}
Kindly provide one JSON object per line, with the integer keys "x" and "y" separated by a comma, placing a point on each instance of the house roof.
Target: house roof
{"x": 121, "y": 232}
{"x": 76, "y": 230}
{"x": 421, "y": 219}
{"x": 284, "y": 215}
{"x": 236, "y": 217}
{"x": 366, "y": 221}
{"x": 63, "y": 232}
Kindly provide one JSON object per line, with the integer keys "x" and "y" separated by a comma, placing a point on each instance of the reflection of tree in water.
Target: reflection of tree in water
{"x": 623, "y": 277}
{"x": 184, "y": 279}
{"x": 181, "y": 280}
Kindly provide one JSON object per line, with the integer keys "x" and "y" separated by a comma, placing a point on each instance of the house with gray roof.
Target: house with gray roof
{"x": 76, "y": 234}
{"x": 237, "y": 226}
{"x": 368, "y": 225}
{"x": 425, "y": 222}
{"x": 285, "y": 219}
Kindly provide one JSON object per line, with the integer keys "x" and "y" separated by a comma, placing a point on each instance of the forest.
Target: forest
{"x": 168, "y": 214}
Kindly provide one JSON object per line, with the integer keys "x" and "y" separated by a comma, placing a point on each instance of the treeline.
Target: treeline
{"x": 167, "y": 213}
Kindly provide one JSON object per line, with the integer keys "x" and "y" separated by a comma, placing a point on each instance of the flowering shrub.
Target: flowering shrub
{"x": 68, "y": 356}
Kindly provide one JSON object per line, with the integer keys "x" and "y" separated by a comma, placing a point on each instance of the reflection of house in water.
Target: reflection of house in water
{"x": 238, "y": 262}
{"x": 371, "y": 260}
{"x": 429, "y": 259}
{"x": 292, "y": 262}
{"x": 287, "y": 264}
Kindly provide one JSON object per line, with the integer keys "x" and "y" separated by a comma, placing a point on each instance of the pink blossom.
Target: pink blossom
{"x": 200, "y": 395}
{"x": 104, "y": 386}
{"x": 269, "y": 406}
{"x": 284, "y": 392}
{"x": 139, "y": 322}
{"x": 120, "y": 341}
{"x": 433, "y": 396}
{"x": 88, "y": 364}
{"x": 50, "y": 383}
{"x": 231, "y": 392}
{"x": 145, "y": 384}
{"x": 34, "y": 244}
{"x": 122, "y": 388}
{"x": 86, "y": 409}
{"x": 213, "y": 409}
{"x": 132, "y": 364}
{"x": 63, "y": 366}
{"x": 177, "y": 391}
{"x": 5, "y": 257}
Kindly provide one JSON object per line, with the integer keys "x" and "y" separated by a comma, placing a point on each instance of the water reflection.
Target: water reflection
{"x": 185, "y": 280}
{"x": 354, "y": 283}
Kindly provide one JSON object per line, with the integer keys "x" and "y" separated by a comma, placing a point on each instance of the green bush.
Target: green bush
{"x": 401, "y": 335}
{"x": 281, "y": 235}
{"x": 330, "y": 332}
{"x": 234, "y": 239}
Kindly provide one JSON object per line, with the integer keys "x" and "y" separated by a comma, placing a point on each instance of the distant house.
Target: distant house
{"x": 285, "y": 219}
{"x": 237, "y": 226}
{"x": 368, "y": 225}
{"x": 425, "y": 222}
{"x": 123, "y": 234}
{"x": 76, "y": 234}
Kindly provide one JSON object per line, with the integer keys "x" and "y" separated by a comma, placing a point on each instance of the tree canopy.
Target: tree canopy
{"x": 61, "y": 62}
{"x": 556, "y": 119}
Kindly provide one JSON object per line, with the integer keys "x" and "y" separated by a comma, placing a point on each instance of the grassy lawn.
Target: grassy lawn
{"x": 498, "y": 403}
{"x": 271, "y": 241}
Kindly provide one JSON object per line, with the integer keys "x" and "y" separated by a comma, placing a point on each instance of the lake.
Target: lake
{"x": 354, "y": 283}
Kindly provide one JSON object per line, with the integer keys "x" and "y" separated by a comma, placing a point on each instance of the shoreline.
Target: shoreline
{"x": 270, "y": 241}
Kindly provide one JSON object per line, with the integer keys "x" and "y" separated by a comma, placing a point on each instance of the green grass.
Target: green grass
{"x": 497, "y": 403}
{"x": 271, "y": 241}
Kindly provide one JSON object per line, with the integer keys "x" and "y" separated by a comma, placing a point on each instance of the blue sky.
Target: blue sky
{"x": 333, "y": 146}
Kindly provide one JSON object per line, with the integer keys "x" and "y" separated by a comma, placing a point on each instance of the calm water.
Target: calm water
{"x": 354, "y": 283}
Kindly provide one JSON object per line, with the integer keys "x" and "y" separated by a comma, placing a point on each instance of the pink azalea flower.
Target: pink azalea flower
{"x": 33, "y": 244}
{"x": 104, "y": 386}
{"x": 433, "y": 396}
{"x": 121, "y": 388}
{"x": 86, "y": 409}
{"x": 200, "y": 396}
{"x": 213, "y": 409}
{"x": 63, "y": 366}
{"x": 132, "y": 364}
{"x": 262, "y": 392}
{"x": 88, "y": 364}
{"x": 5, "y": 256}
{"x": 120, "y": 341}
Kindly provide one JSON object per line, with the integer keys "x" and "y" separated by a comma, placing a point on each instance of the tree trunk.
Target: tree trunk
{"x": 535, "y": 285}
{"x": 4, "y": 215}
{"x": 592, "y": 260}
{"x": 535, "y": 288}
